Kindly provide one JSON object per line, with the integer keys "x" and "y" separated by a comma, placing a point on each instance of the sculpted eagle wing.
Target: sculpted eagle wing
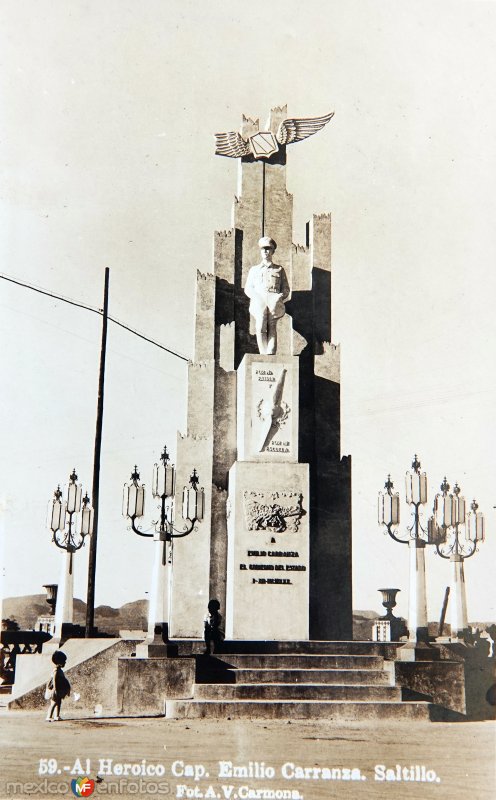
{"x": 231, "y": 144}
{"x": 294, "y": 130}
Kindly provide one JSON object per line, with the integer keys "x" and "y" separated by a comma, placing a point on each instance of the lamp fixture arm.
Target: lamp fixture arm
{"x": 443, "y": 554}
{"x": 455, "y": 548}
{"x": 68, "y": 546}
{"x": 136, "y": 530}
{"x": 473, "y": 550}
{"x": 393, "y": 535}
{"x": 452, "y": 550}
{"x": 185, "y": 532}
{"x": 167, "y": 525}
{"x": 68, "y": 541}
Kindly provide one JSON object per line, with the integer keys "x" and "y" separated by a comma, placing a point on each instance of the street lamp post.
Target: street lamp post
{"x": 71, "y": 521}
{"x": 449, "y": 516}
{"x": 416, "y": 537}
{"x": 193, "y": 503}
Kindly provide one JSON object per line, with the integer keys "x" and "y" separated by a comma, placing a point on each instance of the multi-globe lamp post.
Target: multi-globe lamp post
{"x": 416, "y": 537}
{"x": 456, "y": 535}
{"x": 193, "y": 504}
{"x": 71, "y": 521}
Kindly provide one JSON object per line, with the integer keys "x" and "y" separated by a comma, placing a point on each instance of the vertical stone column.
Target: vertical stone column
{"x": 191, "y": 554}
{"x": 458, "y": 599}
{"x": 417, "y": 599}
{"x": 227, "y": 246}
{"x": 330, "y": 544}
{"x": 65, "y": 596}
{"x": 248, "y": 210}
{"x": 320, "y": 257}
{"x": 224, "y": 255}
{"x": 189, "y": 594}
{"x": 218, "y": 547}
{"x": 204, "y": 317}
{"x": 199, "y": 560}
{"x": 158, "y": 602}
{"x": 260, "y": 180}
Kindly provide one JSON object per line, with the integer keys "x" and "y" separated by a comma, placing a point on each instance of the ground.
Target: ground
{"x": 458, "y": 757}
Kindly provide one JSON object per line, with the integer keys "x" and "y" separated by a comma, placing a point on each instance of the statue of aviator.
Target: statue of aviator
{"x": 268, "y": 289}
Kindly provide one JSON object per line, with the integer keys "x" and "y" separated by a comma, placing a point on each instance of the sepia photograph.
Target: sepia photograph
{"x": 247, "y": 347}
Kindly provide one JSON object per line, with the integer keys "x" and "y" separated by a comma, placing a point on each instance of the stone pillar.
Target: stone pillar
{"x": 458, "y": 599}
{"x": 417, "y": 600}
{"x": 190, "y": 590}
{"x": 204, "y": 317}
{"x": 158, "y": 602}
{"x": 264, "y": 207}
{"x": 65, "y": 596}
{"x": 191, "y": 556}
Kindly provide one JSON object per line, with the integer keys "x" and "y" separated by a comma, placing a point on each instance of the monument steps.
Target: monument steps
{"x": 286, "y": 683}
{"x": 295, "y": 691}
{"x": 371, "y": 677}
{"x": 339, "y": 647}
{"x": 296, "y": 709}
{"x": 305, "y": 661}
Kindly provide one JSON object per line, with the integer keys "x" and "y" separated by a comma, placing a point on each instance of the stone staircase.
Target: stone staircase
{"x": 299, "y": 680}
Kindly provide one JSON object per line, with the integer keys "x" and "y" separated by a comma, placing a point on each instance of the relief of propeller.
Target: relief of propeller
{"x": 270, "y": 411}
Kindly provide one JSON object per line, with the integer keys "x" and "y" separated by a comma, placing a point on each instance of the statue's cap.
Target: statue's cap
{"x": 266, "y": 241}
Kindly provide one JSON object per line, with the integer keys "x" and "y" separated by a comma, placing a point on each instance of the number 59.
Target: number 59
{"x": 48, "y": 766}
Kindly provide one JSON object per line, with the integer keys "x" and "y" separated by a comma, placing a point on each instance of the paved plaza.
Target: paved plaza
{"x": 247, "y": 759}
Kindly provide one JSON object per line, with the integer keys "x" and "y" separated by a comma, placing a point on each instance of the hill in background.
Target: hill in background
{"x": 25, "y": 610}
{"x": 133, "y": 616}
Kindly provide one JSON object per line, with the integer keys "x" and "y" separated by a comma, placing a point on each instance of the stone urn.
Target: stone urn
{"x": 389, "y": 600}
{"x": 398, "y": 627}
{"x": 51, "y": 598}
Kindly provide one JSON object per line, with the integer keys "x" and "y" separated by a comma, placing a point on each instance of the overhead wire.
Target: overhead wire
{"x": 94, "y": 311}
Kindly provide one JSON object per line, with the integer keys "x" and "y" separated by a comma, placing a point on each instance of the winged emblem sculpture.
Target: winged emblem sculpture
{"x": 263, "y": 144}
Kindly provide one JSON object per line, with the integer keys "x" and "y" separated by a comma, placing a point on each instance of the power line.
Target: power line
{"x": 50, "y": 294}
{"x": 142, "y": 336}
{"x": 94, "y": 311}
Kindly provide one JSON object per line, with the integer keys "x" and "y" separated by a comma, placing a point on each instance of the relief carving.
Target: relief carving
{"x": 274, "y": 511}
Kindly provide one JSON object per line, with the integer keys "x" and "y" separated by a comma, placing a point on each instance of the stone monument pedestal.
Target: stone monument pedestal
{"x": 268, "y": 551}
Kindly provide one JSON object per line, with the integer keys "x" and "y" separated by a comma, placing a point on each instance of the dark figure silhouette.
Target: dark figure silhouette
{"x": 58, "y": 687}
{"x": 213, "y": 632}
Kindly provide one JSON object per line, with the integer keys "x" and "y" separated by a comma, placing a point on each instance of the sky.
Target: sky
{"x": 107, "y": 117}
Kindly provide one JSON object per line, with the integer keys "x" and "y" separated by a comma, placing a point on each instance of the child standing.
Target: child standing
{"x": 58, "y": 685}
{"x": 213, "y": 633}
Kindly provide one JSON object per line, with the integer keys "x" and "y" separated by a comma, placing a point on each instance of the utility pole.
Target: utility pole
{"x": 90, "y": 597}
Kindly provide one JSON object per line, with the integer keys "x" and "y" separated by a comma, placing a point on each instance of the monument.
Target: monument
{"x": 263, "y": 421}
